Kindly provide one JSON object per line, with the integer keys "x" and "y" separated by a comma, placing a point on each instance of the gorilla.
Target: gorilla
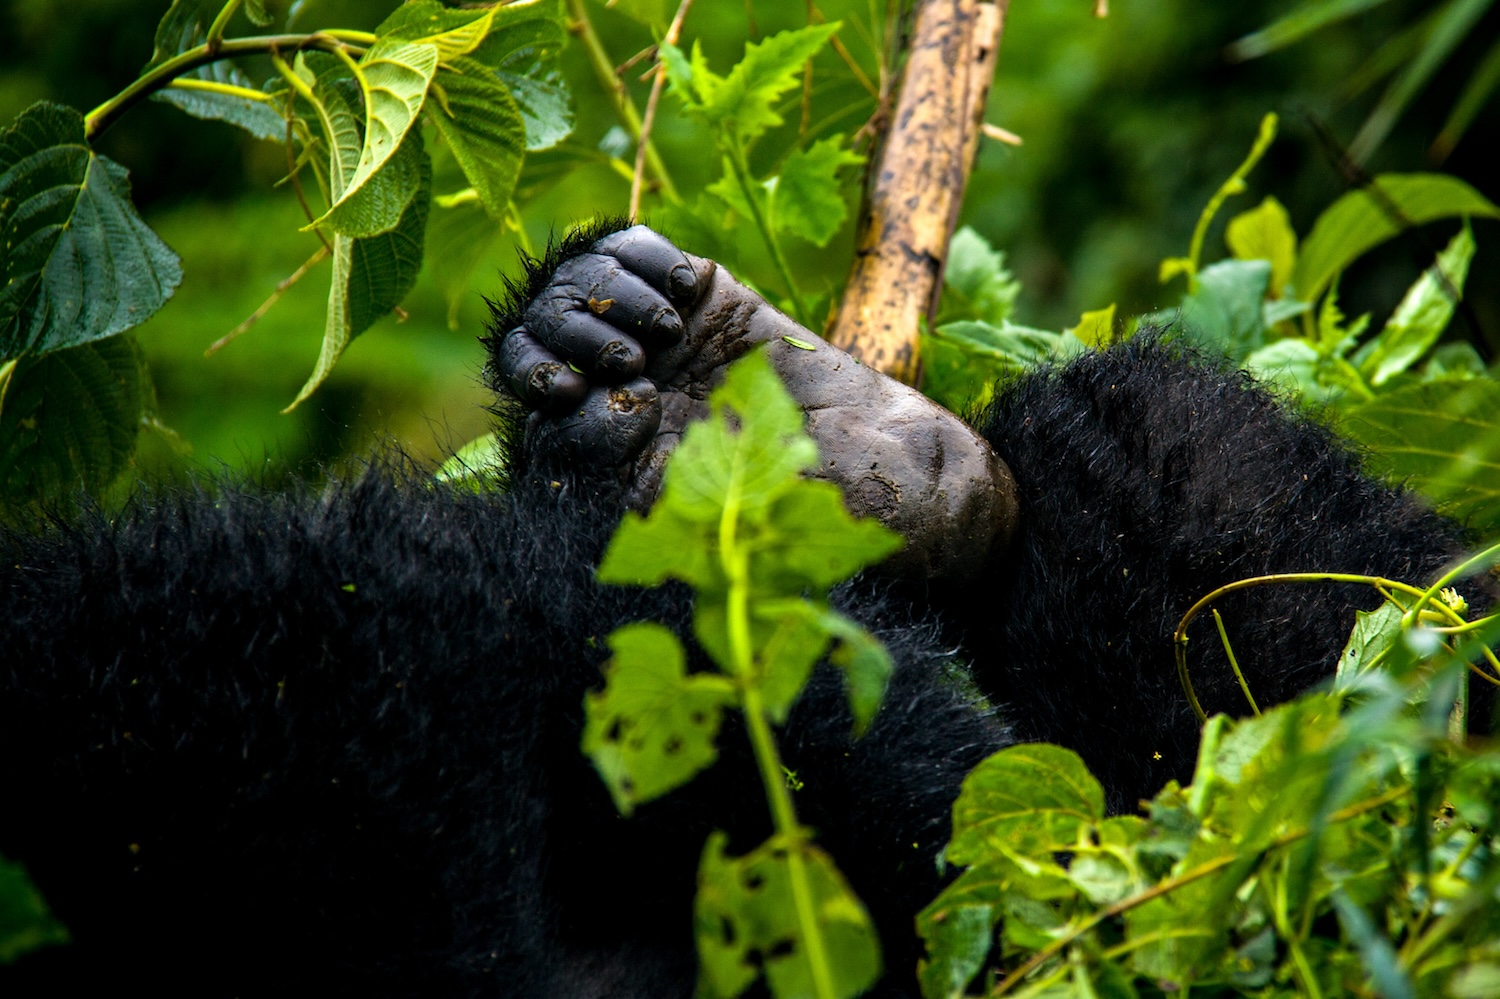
{"x": 328, "y": 739}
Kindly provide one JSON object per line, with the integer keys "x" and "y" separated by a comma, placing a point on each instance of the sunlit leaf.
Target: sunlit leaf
{"x": 653, "y": 726}
{"x": 1422, "y": 315}
{"x": 809, "y": 199}
{"x": 1363, "y": 219}
{"x": 746, "y": 923}
{"x": 77, "y": 263}
{"x": 1030, "y": 799}
{"x": 1265, "y": 233}
{"x": 976, "y": 283}
{"x": 453, "y": 32}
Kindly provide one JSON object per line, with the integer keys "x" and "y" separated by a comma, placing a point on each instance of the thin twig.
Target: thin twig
{"x": 642, "y": 144}
{"x": 281, "y": 289}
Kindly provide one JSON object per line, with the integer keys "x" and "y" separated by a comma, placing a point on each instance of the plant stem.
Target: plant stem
{"x": 614, "y": 87}
{"x": 216, "y": 29}
{"x": 226, "y": 89}
{"x": 735, "y": 559}
{"x": 97, "y": 120}
{"x": 1203, "y": 870}
{"x": 658, "y": 84}
{"x": 742, "y": 176}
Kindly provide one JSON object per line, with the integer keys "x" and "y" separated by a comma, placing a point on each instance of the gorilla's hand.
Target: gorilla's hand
{"x": 619, "y": 349}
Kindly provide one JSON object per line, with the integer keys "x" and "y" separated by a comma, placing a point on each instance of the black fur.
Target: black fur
{"x": 329, "y": 741}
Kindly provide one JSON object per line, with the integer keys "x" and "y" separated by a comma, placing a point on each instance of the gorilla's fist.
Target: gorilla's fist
{"x": 617, "y": 349}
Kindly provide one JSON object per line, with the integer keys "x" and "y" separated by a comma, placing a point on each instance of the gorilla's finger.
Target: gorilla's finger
{"x": 611, "y": 426}
{"x": 589, "y": 342}
{"x": 630, "y": 304}
{"x": 537, "y": 376}
{"x": 653, "y": 257}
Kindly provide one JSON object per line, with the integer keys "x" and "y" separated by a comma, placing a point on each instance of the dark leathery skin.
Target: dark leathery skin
{"x": 897, "y": 455}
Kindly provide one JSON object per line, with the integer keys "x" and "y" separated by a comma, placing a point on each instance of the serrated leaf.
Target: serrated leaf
{"x": 812, "y": 541}
{"x": 393, "y": 79}
{"x": 183, "y": 27}
{"x": 808, "y": 199}
{"x": 1028, "y": 800}
{"x": 1360, "y": 221}
{"x": 959, "y": 929}
{"x": 1442, "y": 437}
{"x": 453, "y": 32}
{"x": 745, "y": 923}
{"x": 963, "y": 360}
{"x": 647, "y": 551}
{"x": 1422, "y": 315}
{"x": 786, "y": 639}
{"x": 744, "y": 99}
{"x": 653, "y": 727}
{"x": 1265, "y": 233}
{"x": 481, "y": 124}
{"x": 976, "y": 283}
{"x": 78, "y": 264}
{"x": 748, "y": 467}
{"x": 372, "y": 275}
{"x": 69, "y": 420}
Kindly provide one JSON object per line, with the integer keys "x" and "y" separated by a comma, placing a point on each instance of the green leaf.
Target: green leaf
{"x": 1301, "y": 22}
{"x": 452, "y": 32}
{"x": 745, "y": 923}
{"x": 478, "y": 465}
{"x": 808, "y": 199}
{"x": 963, "y": 360}
{"x": 1422, "y": 316}
{"x": 976, "y": 283}
{"x": 1265, "y": 233}
{"x": 1375, "y": 633}
{"x": 958, "y": 929}
{"x": 393, "y": 79}
{"x": 1028, "y": 800}
{"x": 481, "y": 124}
{"x": 751, "y": 467}
{"x": 256, "y": 11}
{"x": 543, "y": 100}
{"x": 866, "y": 664}
{"x": 647, "y": 551}
{"x": 184, "y": 27}
{"x": 1224, "y": 310}
{"x": 743, "y": 100}
{"x": 812, "y": 541}
{"x": 25, "y": 922}
{"x": 77, "y": 263}
{"x": 69, "y": 420}
{"x": 1360, "y": 220}
{"x": 372, "y": 275}
{"x": 653, "y": 726}
{"x": 1095, "y": 328}
{"x": 1443, "y": 438}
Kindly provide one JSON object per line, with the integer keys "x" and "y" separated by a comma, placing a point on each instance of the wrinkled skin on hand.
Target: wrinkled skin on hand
{"x": 619, "y": 350}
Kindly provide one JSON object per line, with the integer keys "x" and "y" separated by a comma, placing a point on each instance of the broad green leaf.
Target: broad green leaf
{"x": 1422, "y": 316}
{"x": 786, "y": 639}
{"x": 963, "y": 360}
{"x": 1478, "y": 89}
{"x": 744, "y": 100}
{"x": 393, "y": 79}
{"x": 480, "y": 123}
{"x": 1028, "y": 800}
{"x": 1454, "y": 360}
{"x": 1097, "y": 327}
{"x": 749, "y": 467}
{"x": 1265, "y": 233}
{"x": 25, "y": 922}
{"x": 1290, "y": 364}
{"x": 746, "y": 923}
{"x": 372, "y": 275}
{"x": 522, "y": 49}
{"x": 1361, "y": 220}
{"x": 647, "y": 551}
{"x": 959, "y": 928}
{"x": 76, "y": 262}
{"x": 1225, "y": 308}
{"x": 1443, "y": 438}
{"x": 334, "y": 93}
{"x": 811, "y": 541}
{"x": 453, "y": 32}
{"x": 1375, "y": 632}
{"x": 808, "y": 199}
{"x": 866, "y": 664}
{"x": 478, "y": 465}
{"x": 976, "y": 283}
{"x": 70, "y": 419}
{"x": 728, "y": 190}
{"x": 183, "y": 27}
{"x": 653, "y": 726}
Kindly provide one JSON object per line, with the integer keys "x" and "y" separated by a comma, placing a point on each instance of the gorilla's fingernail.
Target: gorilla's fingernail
{"x": 682, "y": 281}
{"x": 667, "y": 325}
{"x": 618, "y": 356}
